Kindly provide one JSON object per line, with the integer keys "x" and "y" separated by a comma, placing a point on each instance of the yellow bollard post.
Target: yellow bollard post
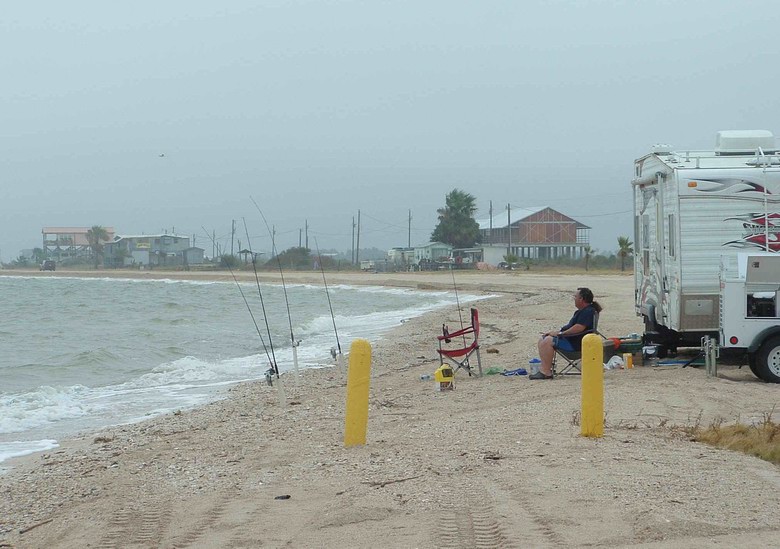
{"x": 592, "y": 423}
{"x": 358, "y": 378}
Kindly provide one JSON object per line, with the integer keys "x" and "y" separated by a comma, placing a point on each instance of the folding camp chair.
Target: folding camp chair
{"x": 460, "y": 357}
{"x": 573, "y": 359}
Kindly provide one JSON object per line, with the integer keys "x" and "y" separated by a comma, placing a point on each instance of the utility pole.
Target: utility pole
{"x": 232, "y": 236}
{"x": 509, "y": 229}
{"x": 490, "y": 228}
{"x": 353, "y": 239}
{"x": 357, "y": 249}
{"x": 409, "y": 231}
{"x": 307, "y": 233}
{"x": 299, "y": 238}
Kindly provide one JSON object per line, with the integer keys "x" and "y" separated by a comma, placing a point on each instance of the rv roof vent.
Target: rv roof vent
{"x": 732, "y": 142}
{"x": 662, "y": 149}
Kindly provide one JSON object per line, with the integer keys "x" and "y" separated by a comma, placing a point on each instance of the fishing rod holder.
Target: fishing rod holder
{"x": 269, "y": 376}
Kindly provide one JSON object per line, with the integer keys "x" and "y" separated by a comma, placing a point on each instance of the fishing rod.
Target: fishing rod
{"x": 457, "y": 302}
{"x": 330, "y": 305}
{"x": 248, "y": 308}
{"x": 293, "y": 341}
{"x": 262, "y": 303}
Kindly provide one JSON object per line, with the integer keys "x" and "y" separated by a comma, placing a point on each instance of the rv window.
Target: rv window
{"x": 671, "y": 235}
{"x": 637, "y": 235}
{"x": 761, "y": 304}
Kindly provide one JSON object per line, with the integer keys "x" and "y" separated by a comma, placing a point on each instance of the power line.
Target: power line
{"x": 604, "y": 215}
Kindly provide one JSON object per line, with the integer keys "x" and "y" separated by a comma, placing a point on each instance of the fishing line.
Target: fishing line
{"x": 325, "y": 282}
{"x": 248, "y": 308}
{"x": 262, "y": 303}
{"x": 281, "y": 275}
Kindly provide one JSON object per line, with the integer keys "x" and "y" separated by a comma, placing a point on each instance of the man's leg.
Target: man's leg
{"x": 546, "y": 354}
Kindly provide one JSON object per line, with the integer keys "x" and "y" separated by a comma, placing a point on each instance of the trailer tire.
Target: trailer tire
{"x": 767, "y": 360}
{"x": 751, "y": 358}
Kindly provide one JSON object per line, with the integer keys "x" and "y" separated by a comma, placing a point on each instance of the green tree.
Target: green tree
{"x": 229, "y": 261}
{"x": 21, "y": 261}
{"x": 511, "y": 259}
{"x": 298, "y": 258}
{"x": 38, "y": 256}
{"x": 119, "y": 257}
{"x": 96, "y": 236}
{"x": 588, "y": 251}
{"x": 625, "y": 249}
{"x": 457, "y": 226}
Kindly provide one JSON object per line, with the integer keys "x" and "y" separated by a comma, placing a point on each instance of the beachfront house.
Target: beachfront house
{"x": 69, "y": 244}
{"x": 535, "y": 233}
{"x": 155, "y": 250}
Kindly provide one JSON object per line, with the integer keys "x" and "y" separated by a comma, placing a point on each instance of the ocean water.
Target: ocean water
{"x": 78, "y": 354}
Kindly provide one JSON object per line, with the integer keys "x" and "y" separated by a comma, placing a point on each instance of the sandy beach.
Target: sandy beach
{"x": 498, "y": 462}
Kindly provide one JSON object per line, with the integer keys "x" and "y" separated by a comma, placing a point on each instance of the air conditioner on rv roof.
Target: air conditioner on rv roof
{"x": 744, "y": 141}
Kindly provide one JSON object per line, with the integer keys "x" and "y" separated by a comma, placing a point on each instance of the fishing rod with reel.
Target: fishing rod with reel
{"x": 272, "y": 361}
{"x": 457, "y": 302}
{"x": 293, "y": 342}
{"x": 446, "y": 330}
{"x": 336, "y": 357}
{"x": 274, "y": 365}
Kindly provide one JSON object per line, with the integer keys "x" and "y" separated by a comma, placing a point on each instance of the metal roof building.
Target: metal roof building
{"x": 537, "y": 233}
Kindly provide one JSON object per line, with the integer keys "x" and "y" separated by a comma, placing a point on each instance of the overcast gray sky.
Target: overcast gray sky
{"x": 320, "y": 108}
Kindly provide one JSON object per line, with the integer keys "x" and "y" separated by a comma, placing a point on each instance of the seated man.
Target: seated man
{"x": 569, "y": 337}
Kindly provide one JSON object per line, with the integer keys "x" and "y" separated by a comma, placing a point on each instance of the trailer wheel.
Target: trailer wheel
{"x": 767, "y": 361}
{"x": 751, "y": 358}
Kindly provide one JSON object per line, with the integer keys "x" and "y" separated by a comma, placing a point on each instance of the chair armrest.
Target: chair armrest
{"x": 464, "y": 331}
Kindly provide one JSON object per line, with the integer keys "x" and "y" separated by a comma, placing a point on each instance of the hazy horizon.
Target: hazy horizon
{"x": 150, "y": 116}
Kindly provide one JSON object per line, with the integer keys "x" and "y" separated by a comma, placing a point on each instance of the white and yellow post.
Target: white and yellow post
{"x": 592, "y": 423}
{"x": 358, "y": 379}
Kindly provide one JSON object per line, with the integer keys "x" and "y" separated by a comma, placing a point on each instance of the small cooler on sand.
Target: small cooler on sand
{"x": 445, "y": 378}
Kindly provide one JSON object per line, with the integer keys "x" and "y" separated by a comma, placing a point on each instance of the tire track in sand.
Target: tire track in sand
{"x": 132, "y": 526}
{"x": 470, "y": 519}
{"x": 205, "y": 523}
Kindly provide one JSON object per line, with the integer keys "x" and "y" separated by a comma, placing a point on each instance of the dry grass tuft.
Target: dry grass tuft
{"x": 761, "y": 440}
{"x": 575, "y": 418}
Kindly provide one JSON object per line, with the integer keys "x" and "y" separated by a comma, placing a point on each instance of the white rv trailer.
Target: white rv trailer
{"x": 692, "y": 210}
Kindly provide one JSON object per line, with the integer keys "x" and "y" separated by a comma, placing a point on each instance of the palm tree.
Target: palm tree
{"x": 588, "y": 251}
{"x": 457, "y": 226}
{"x": 625, "y": 249}
{"x": 96, "y": 236}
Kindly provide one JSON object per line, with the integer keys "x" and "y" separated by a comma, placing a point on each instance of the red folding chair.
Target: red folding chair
{"x": 460, "y": 357}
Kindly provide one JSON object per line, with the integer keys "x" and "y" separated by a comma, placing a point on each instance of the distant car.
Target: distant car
{"x": 48, "y": 265}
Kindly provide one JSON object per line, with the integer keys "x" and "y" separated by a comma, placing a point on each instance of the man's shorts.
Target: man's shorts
{"x": 562, "y": 343}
